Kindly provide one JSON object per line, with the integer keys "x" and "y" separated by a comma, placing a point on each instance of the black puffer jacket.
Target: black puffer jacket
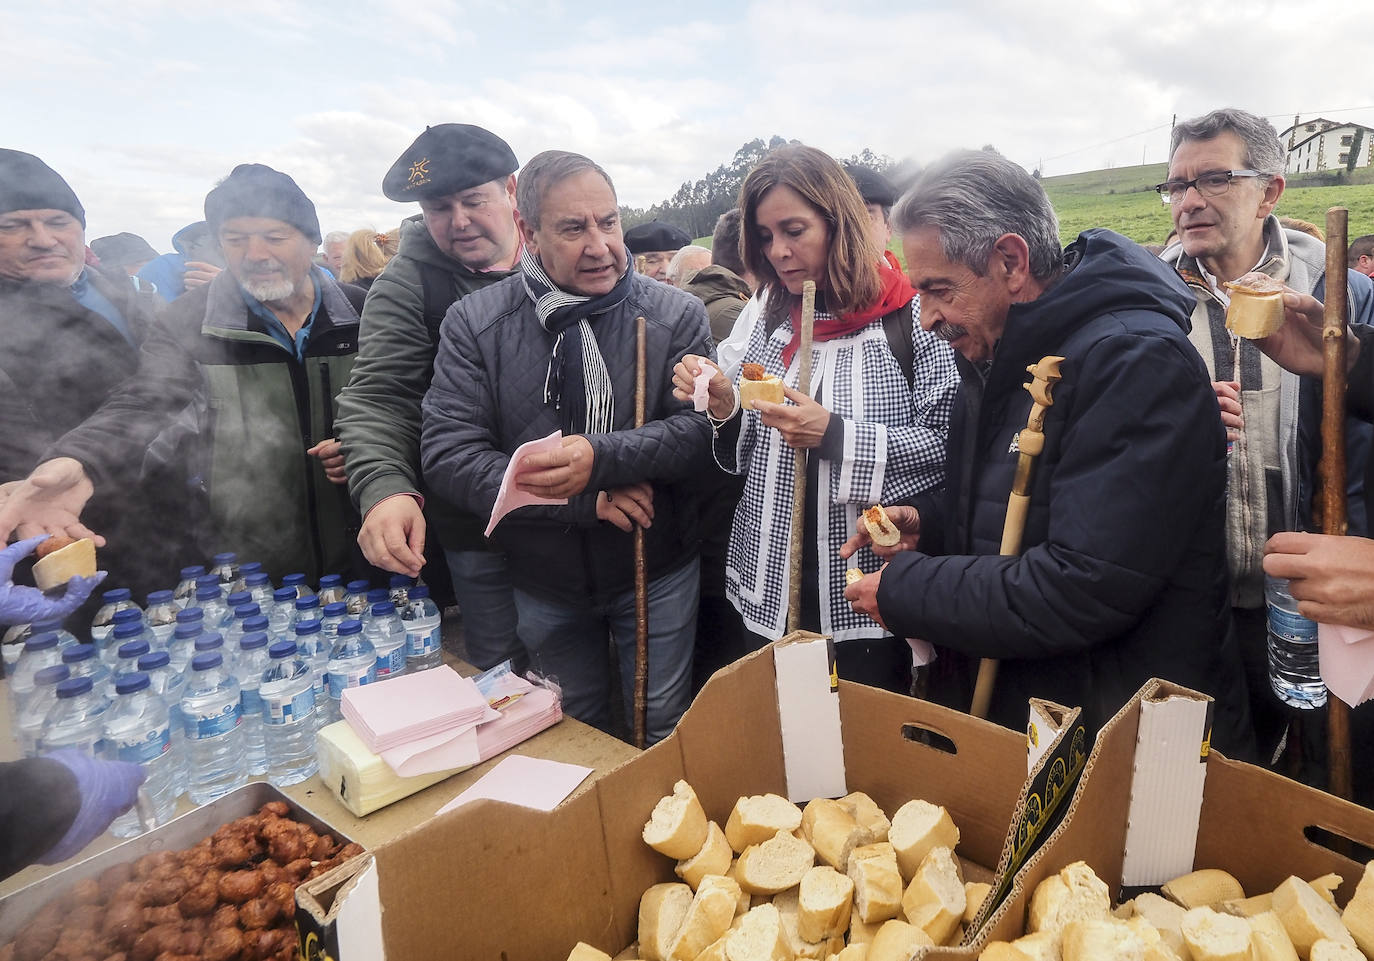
{"x": 487, "y": 398}
{"x": 1122, "y": 574}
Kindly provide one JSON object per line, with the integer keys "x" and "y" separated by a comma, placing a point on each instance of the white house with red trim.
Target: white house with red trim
{"x": 1321, "y": 144}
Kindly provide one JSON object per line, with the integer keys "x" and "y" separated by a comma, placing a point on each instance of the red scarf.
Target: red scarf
{"x": 896, "y": 292}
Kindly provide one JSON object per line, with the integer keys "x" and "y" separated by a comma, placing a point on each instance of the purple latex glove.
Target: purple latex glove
{"x": 107, "y": 789}
{"x": 27, "y": 605}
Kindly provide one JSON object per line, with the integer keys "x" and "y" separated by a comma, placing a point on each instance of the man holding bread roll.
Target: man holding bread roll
{"x": 1121, "y": 574}
{"x": 1225, "y": 179}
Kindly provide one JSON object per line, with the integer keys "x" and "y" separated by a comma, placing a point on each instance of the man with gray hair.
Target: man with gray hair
{"x": 1121, "y": 575}
{"x": 331, "y": 257}
{"x": 551, "y": 351}
{"x": 1225, "y": 179}
{"x": 686, "y": 263}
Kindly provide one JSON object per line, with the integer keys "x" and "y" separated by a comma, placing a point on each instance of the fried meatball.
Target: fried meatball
{"x": 225, "y": 916}
{"x": 162, "y": 890}
{"x": 297, "y": 870}
{"x": 285, "y": 847}
{"x": 36, "y": 940}
{"x": 113, "y": 877}
{"x": 283, "y": 893}
{"x": 122, "y": 924}
{"x": 233, "y": 852}
{"x": 199, "y": 901}
{"x": 240, "y": 886}
{"x": 162, "y": 914}
{"x": 324, "y": 847}
{"x": 223, "y": 944}
{"x": 259, "y": 913}
{"x": 155, "y": 941}
{"x": 277, "y": 808}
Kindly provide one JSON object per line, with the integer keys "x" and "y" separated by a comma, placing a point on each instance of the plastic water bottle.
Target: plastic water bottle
{"x": 77, "y": 720}
{"x": 81, "y": 659}
{"x": 125, "y": 633}
{"x": 259, "y": 587}
{"x": 138, "y": 729}
{"x": 283, "y": 611}
{"x": 331, "y": 617}
{"x": 352, "y": 663}
{"x": 355, "y": 596}
{"x": 399, "y": 592}
{"x": 225, "y": 567}
{"x": 37, "y": 706}
{"x": 191, "y": 615}
{"x": 212, "y": 607}
{"x": 102, "y": 625}
{"x": 1294, "y": 671}
{"x": 421, "y": 617}
{"x": 208, "y": 580}
{"x": 65, "y": 638}
{"x": 183, "y": 644}
{"x": 108, "y": 646}
{"x": 375, "y": 596}
{"x": 161, "y": 617}
{"x": 212, "y": 719}
{"x": 307, "y": 609}
{"x": 248, "y": 667}
{"x": 40, "y": 651}
{"x": 233, "y": 602}
{"x": 246, "y": 570}
{"x": 288, "y": 715}
{"x": 185, "y": 592}
{"x": 129, "y": 653}
{"x": 314, "y": 648}
{"x": 331, "y": 589}
{"x": 169, "y": 684}
{"x": 387, "y": 632}
{"x": 236, "y": 630}
{"x": 297, "y": 583}
{"x": 214, "y": 641}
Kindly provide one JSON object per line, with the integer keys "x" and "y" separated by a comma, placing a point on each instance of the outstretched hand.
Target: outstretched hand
{"x": 802, "y": 423}
{"x": 29, "y": 605}
{"x": 720, "y": 392}
{"x": 49, "y": 501}
{"x": 1297, "y": 345}
{"x": 907, "y": 520}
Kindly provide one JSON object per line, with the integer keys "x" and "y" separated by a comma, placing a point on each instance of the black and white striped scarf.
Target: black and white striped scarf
{"x": 568, "y": 316}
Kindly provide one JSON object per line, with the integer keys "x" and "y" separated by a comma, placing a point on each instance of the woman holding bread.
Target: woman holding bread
{"x": 874, "y": 423}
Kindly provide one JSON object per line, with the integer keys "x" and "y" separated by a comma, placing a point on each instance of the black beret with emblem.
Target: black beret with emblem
{"x": 447, "y": 158}
{"x": 655, "y": 235}
{"x": 873, "y": 186}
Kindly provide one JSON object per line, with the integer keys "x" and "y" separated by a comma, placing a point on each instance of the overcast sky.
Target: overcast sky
{"x": 144, "y": 104}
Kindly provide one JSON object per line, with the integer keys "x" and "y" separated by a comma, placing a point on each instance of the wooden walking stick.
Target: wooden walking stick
{"x": 808, "y": 326}
{"x": 641, "y": 570}
{"x": 1030, "y": 441}
{"x": 1331, "y": 467}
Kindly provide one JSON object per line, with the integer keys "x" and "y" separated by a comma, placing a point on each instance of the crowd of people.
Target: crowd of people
{"x": 350, "y": 403}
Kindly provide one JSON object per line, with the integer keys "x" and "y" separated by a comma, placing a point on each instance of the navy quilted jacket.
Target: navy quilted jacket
{"x": 487, "y": 398}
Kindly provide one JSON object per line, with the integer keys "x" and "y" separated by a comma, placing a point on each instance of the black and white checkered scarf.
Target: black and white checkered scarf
{"x": 568, "y": 316}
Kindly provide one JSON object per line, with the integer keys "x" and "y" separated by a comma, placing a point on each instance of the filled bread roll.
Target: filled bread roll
{"x": 60, "y": 559}
{"x": 881, "y": 530}
{"x": 756, "y": 384}
{"x": 1256, "y": 308}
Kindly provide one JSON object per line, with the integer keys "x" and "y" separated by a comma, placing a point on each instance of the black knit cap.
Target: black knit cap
{"x": 873, "y": 186}
{"x": 121, "y": 250}
{"x": 447, "y": 158}
{"x": 256, "y": 190}
{"x": 655, "y": 235}
{"x": 27, "y": 183}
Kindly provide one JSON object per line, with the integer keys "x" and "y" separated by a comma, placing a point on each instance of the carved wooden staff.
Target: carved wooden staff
{"x": 808, "y": 326}
{"x": 641, "y": 571}
{"x": 1331, "y": 468}
{"x": 1030, "y": 441}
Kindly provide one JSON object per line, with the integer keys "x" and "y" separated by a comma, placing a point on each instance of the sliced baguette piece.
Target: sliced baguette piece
{"x": 853, "y": 952}
{"x": 1038, "y": 946}
{"x": 1203, "y": 889}
{"x": 677, "y": 826}
{"x": 758, "y": 817}
{"x": 917, "y": 827}
{"x": 934, "y": 900}
{"x": 1074, "y": 894}
{"x": 1326, "y": 886}
{"x": 1307, "y": 917}
{"x": 974, "y": 894}
{"x": 582, "y": 951}
{"x": 1270, "y": 940}
{"x": 824, "y": 903}
{"x": 57, "y": 567}
{"x": 897, "y": 941}
{"x": 662, "y": 910}
{"x": 775, "y": 865}
{"x": 1324, "y": 949}
{"x": 1164, "y": 915}
{"x": 869, "y": 816}
{"x": 789, "y": 910}
{"x": 716, "y": 952}
{"x": 1213, "y": 936}
{"x": 1359, "y": 912}
{"x": 1248, "y": 907}
{"x": 1098, "y": 938}
{"x": 861, "y": 931}
{"x": 714, "y": 857}
{"x": 877, "y": 882}
{"x": 708, "y": 918}
{"x": 759, "y": 936}
{"x": 745, "y": 899}
{"x": 832, "y": 831}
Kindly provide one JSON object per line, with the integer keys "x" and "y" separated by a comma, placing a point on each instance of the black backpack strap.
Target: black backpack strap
{"x": 897, "y": 325}
{"x": 439, "y": 295}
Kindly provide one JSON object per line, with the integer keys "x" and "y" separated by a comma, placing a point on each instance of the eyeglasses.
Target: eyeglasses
{"x": 1214, "y": 183}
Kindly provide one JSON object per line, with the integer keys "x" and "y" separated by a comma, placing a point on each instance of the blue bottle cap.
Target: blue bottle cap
{"x": 419, "y": 591}
{"x": 52, "y": 674}
{"x": 206, "y": 660}
{"x": 255, "y": 623}
{"x": 377, "y": 595}
{"x": 250, "y": 567}
{"x": 208, "y": 580}
{"x": 132, "y": 649}
{"x": 154, "y": 660}
{"x": 159, "y": 597}
{"x": 116, "y": 595}
{"x": 192, "y": 572}
{"x": 281, "y": 649}
{"x": 295, "y": 580}
{"x": 228, "y": 557}
{"x": 127, "y": 616}
{"x": 190, "y": 629}
{"x": 131, "y": 683}
{"x": 41, "y": 642}
{"x": 383, "y": 608}
{"x": 77, "y": 653}
{"x": 330, "y": 580}
{"x": 256, "y": 580}
{"x": 188, "y": 615}
{"x": 356, "y": 587}
{"x": 336, "y": 609}
{"x": 237, "y": 598}
{"x": 400, "y": 580}
{"x": 245, "y": 611}
{"x": 73, "y": 687}
{"x": 307, "y": 627}
{"x": 209, "y": 642}
{"x": 284, "y": 595}
{"x": 351, "y": 627}
{"x": 253, "y": 641}
{"x": 207, "y": 593}
{"x": 307, "y": 602}
{"x": 123, "y": 631}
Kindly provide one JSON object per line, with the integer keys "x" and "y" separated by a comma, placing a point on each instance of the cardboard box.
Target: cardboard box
{"x": 504, "y": 883}
{"x": 1255, "y": 824}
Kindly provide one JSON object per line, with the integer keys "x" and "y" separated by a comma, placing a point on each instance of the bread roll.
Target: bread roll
{"x": 852, "y": 575}
{"x": 1164, "y": 915}
{"x": 1213, "y": 936}
{"x": 1256, "y": 308}
{"x": 869, "y": 816}
{"x": 974, "y": 894}
{"x": 861, "y": 931}
{"x": 877, "y": 882}
{"x": 824, "y": 903}
{"x": 1358, "y": 916}
{"x": 1074, "y": 894}
{"x": 716, "y": 952}
{"x": 917, "y": 827}
{"x": 1307, "y": 917}
{"x": 897, "y": 941}
{"x": 757, "y": 384}
{"x": 934, "y": 900}
{"x": 707, "y": 919}
{"x": 585, "y": 952}
{"x": 1099, "y": 939}
{"x": 1248, "y": 907}
{"x": 757, "y": 818}
{"x": 775, "y": 865}
{"x": 1203, "y": 889}
{"x": 1038, "y": 946}
{"x": 662, "y": 910}
{"x": 1269, "y": 939}
{"x": 1326, "y": 886}
{"x": 759, "y": 937}
{"x": 60, "y": 563}
{"x": 831, "y": 830}
{"x": 1324, "y": 949}
{"x": 744, "y": 897}
{"x": 880, "y": 528}
{"x": 677, "y": 826}
{"x": 714, "y": 857}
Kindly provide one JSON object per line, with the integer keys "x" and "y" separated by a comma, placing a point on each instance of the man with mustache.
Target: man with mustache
{"x": 233, "y": 394}
{"x": 1225, "y": 179}
{"x": 553, "y": 348}
{"x": 1121, "y": 574}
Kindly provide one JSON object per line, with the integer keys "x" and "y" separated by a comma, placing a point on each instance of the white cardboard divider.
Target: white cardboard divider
{"x": 809, "y": 712}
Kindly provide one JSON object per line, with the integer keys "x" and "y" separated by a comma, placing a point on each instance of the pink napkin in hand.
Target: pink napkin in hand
{"x": 1347, "y": 661}
{"x": 510, "y": 497}
{"x": 700, "y": 385}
